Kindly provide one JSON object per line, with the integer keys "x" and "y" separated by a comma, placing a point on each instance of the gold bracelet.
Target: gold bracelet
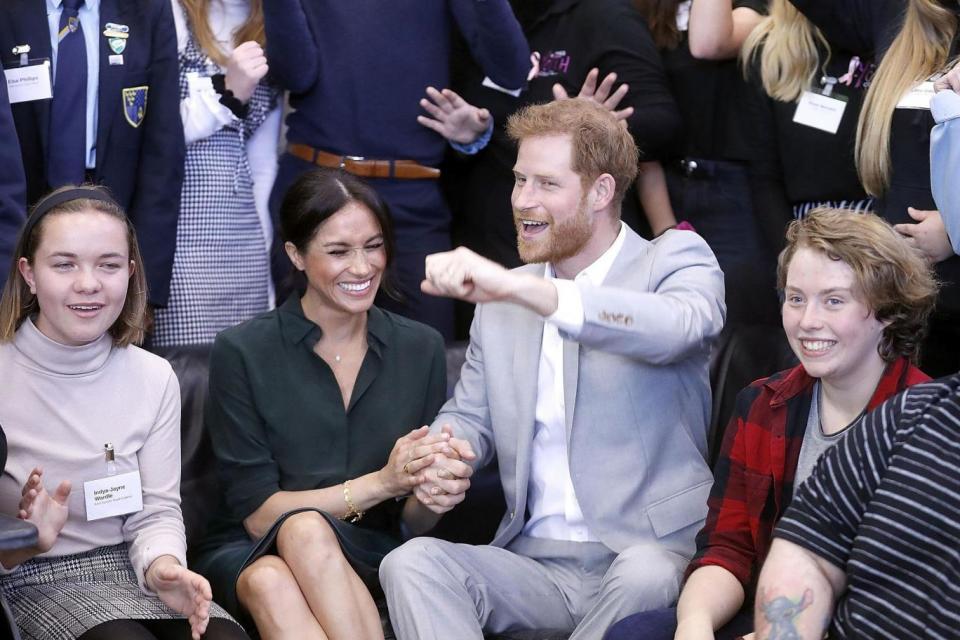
{"x": 353, "y": 515}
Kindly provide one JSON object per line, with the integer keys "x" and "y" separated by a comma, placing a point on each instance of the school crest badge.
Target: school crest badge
{"x": 117, "y": 45}
{"x": 135, "y": 105}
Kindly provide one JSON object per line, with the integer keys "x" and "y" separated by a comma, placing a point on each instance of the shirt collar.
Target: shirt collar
{"x": 597, "y": 272}
{"x": 797, "y": 381}
{"x": 54, "y": 5}
{"x": 297, "y": 328}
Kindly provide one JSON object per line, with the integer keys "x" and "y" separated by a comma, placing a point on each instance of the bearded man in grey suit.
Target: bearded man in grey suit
{"x": 587, "y": 377}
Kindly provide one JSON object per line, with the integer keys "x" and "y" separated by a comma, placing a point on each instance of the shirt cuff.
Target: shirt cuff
{"x": 142, "y": 555}
{"x": 477, "y": 145}
{"x": 569, "y": 314}
{"x": 945, "y": 105}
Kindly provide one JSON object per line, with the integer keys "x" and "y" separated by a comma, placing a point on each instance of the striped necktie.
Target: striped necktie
{"x": 67, "y": 142}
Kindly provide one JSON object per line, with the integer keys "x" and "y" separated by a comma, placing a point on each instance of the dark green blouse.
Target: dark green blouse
{"x": 275, "y": 413}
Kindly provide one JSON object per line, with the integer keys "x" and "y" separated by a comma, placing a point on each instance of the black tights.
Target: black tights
{"x": 218, "y": 629}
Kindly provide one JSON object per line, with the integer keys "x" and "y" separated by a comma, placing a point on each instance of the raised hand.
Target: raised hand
{"x": 245, "y": 68}
{"x": 601, "y": 95}
{"x": 48, "y": 513}
{"x": 182, "y": 590}
{"x": 463, "y": 274}
{"x": 453, "y": 117}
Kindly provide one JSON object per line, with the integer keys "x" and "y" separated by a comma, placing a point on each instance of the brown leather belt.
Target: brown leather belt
{"x": 364, "y": 167}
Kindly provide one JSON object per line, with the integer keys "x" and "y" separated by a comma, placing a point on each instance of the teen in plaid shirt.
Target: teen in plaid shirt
{"x": 856, "y": 298}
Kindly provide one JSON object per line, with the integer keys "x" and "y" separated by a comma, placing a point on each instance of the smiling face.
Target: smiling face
{"x": 830, "y": 328}
{"x": 80, "y": 274}
{"x": 549, "y": 202}
{"x": 344, "y": 261}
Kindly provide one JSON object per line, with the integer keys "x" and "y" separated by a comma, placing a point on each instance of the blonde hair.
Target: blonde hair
{"x": 921, "y": 48}
{"x": 197, "y": 12}
{"x": 18, "y": 303}
{"x": 896, "y": 282}
{"x": 788, "y": 46}
{"x": 600, "y": 143}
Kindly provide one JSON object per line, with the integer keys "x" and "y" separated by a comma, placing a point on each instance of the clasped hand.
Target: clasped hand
{"x": 431, "y": 466}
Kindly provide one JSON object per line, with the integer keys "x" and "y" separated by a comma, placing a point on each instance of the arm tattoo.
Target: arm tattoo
{"x": 780, "y": 613}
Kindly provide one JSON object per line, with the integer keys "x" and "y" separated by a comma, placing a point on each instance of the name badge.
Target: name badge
{"x": 113, "y": 496}
{"x": 28, "y": 83}
{"x": 919, "y": 97}
{"x": 819, "y": 111}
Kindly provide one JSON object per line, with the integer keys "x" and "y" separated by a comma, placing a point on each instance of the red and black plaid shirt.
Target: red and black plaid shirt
{"x": 753, "y": 478}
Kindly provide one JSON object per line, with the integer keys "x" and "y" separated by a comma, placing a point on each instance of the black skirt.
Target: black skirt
{"x": 363, "y": 547}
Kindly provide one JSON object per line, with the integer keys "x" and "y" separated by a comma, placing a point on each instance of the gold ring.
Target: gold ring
{"x": 405, "y": 469}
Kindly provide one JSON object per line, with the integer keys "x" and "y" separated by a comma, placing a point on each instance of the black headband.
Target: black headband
{"x": 54, "y": 200}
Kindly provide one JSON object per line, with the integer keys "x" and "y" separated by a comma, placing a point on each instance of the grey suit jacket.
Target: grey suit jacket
{"x": 637, "y": 394}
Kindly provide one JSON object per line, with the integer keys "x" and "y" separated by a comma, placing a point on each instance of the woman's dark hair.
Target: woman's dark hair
{"x": 318, "y": 194}
{"x": 661, "y": 17}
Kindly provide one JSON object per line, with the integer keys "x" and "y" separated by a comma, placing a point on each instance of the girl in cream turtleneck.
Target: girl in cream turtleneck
{"x": 73, "y": 381}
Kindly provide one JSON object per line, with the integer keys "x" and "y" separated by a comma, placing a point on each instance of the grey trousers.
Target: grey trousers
{"x": 437, "y": 589}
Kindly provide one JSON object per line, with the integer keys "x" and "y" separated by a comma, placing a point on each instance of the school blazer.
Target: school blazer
{"x": 140, "y": 145}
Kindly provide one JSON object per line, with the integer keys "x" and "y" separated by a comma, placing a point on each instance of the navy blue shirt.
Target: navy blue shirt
{"x": 357, "y": 70}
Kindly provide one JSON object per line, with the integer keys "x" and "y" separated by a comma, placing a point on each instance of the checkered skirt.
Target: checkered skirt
{"x": 221, "y": 267}
{"x": 64, "y": 597}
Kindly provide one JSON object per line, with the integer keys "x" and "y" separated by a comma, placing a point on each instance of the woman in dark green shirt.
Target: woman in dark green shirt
{"x": 310, "y": 413}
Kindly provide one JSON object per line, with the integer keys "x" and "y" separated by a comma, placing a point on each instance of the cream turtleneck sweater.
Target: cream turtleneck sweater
{"x": 59, "y": 405}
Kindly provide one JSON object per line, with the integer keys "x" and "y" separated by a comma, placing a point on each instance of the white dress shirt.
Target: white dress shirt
{"x": 552, "y": 502}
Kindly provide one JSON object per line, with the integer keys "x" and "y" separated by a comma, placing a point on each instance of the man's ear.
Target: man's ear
{"x": 294, "y": 254}
{"x": 604, "y": 188}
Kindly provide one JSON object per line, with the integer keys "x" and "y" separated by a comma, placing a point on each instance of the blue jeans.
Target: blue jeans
{"x": 661, "y": 624}
{"x": 716, "y": 201}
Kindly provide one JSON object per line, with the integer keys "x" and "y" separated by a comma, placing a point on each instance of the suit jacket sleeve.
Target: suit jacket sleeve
{"x": 680, "y": 311}
{"x": 468, "y": 411}
{"x": 12, "y": 185}
{"x": 155, "y": 207}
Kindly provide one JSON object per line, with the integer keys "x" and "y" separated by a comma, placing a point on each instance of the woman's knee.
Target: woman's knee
{"x": 266, "y": 581}
{"x": 307, "y": 532}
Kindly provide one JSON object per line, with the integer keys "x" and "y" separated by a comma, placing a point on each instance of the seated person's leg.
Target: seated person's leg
{"x": 435, "y": 588}
{"x": 269, "y": 591}
{"x": 657, "y": 624}
{"x": 120, "y": 630}
{"x": 218, "y": 629}
{"x": 641, "y": 578}
{"x": 337, "y": 596}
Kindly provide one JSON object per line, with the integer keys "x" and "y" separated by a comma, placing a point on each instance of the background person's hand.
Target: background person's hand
{"x": 928, "y": 235}
{"x": 601, "y": 95}
{"x": 453, "y": 117}
{"x": 949, "y": 82}
{"x": 245, "y": 68}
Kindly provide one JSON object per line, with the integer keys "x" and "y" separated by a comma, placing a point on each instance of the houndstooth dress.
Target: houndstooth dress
{"x": 221, "y": 268}
{"x": 64, "y": 597}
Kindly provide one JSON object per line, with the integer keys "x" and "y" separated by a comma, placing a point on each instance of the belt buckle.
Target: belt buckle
{"x": 343, "y": 160}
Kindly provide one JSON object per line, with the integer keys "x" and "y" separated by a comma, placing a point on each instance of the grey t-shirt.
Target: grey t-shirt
{"x": 815, "y": 442}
